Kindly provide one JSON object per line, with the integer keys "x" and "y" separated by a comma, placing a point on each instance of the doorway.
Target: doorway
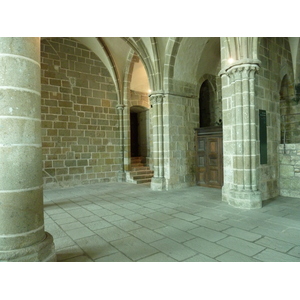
{"x": 139, "y": 131}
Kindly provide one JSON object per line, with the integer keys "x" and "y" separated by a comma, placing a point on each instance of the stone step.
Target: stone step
{"x": 141, "y": 168}
{"x": 145, "y": 180}
{"x": 136, "y": 160}
{"x": 142, "y": 172}
{"x": 142, "y": 176}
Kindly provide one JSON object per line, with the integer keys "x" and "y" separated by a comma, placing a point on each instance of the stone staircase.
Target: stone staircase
{"x": 140, "y": 173}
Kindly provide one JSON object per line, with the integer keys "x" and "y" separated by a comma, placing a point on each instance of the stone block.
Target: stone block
{"x": 286, "y": 171}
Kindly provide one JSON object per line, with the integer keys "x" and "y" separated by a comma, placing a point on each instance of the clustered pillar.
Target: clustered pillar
{"x": 158, "y": 181}
{"x": 22, "y": 235}
{"x": 243, "y": 192}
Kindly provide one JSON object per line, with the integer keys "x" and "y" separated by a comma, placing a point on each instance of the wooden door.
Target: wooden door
{"x": 209, "y": 161}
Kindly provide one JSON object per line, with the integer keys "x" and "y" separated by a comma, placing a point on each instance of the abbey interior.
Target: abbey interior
{"x": 170, "y": 113}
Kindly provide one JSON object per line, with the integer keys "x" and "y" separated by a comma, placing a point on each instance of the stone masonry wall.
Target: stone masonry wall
{"x": 181, "y": 116}
{"x": 80, "y": 134}
{"x": 274, "y": 55}
{"x": 289, "y": 180}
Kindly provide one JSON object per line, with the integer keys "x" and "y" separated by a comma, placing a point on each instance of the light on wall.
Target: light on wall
{"x": 230, "y": 60}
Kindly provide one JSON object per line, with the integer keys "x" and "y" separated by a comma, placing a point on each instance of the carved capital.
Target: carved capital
{"x": 156, "y": 98}
{"x": 120, "y": 107}
{"x": 242, "y": 72}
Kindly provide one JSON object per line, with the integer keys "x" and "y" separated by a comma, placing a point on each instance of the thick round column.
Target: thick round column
{"x": 22, "y": 235}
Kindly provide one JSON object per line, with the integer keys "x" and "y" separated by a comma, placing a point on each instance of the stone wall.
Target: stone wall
{"x": 80, "y": 126}
{"x": 181, "y": 116}
{"x": 289, "y": 181}
{"x": 275, "y": 57}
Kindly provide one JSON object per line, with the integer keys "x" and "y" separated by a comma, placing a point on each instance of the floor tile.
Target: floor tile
{"x": 68, "y": 252}
{"x": 295, "y": 251}
{"x": 274, "y": 244}
{"x": 80, "y": 258}
{"x": 150, "y": 223}
{"x": 80, "y": 212}
{"x": 205, "y": 247}
{"x": 98, "y": 225}
{"x": 233, "y": 256}
{"x": 116, "y": 257}
{"x": 126, "y": 225}
{"x": 95, "y": 246}
{"x": 66, "y": 220}
{"x": 159, "y": 216}
{"x": 211, "y": 224}
{"x": 79, "y": 233}
{"x": 200, "y": 258}
{"x": 173, "y": 249}
{"x": 70, "y": 226}
{"x": 134, "y": 248}
{"x": 180, "y": 224}
{"x": 146, "y": 235}
{"x": 63, "y": 242}
{"x": 158, "y": 257}
{"x": 186, "y": 216}
{"x": 175, "y": 234}
{"x": 208, "y": 234}
{"x": 243, "y": 234}
{"x": 269, "y": 255}
{"x": 111, "y": 233}
{"x": 242, "y": 246}
{"x": 239, "y": 224}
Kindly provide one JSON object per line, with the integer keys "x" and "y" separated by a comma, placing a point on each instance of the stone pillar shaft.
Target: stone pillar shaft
{"x": 120, "y": 108}
{"x": 158, "y": 150}
{"x": 22, "y": 235}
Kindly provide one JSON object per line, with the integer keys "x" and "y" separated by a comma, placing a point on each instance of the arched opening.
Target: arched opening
{"x": 205, "y": 105}
{"x": 286, "y": 111}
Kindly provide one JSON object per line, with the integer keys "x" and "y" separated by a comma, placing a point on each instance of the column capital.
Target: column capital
{"x": 156, "y": 98}
{"x": 240, "y": 66}
{"x": 120, "y": 107}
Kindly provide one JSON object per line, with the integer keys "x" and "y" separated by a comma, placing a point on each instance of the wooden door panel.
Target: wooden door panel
{"x": 209, "y": 161}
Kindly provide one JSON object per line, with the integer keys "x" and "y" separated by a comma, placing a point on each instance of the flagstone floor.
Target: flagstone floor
{"x": 123, "y": 222}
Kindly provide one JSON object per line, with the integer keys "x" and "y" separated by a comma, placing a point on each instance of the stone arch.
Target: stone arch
{"x": 134, "y": 102}
{"x": 171, "y": 52}
{"x": 151, "y": 63}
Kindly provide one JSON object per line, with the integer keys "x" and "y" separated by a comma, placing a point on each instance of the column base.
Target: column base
{"x": 121, "y": 177}
{"x": 158, "y": 183}
{"x": 40, "y": 252}
{"x": 244, "y": 199}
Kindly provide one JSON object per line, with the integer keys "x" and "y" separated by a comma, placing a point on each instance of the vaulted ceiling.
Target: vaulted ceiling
{"x": 189, "y": 58}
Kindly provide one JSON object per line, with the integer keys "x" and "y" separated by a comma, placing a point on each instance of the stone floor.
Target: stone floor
{"x": 123, "y": 222}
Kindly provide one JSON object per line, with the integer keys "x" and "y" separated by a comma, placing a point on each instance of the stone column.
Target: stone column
{"x": 121, "y": 175}
{"x": 241, "y": 189}
{"x": 22, "y": 235}
{"x": 158, "y": 181}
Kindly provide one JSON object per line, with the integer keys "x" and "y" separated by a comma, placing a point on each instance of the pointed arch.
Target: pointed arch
{"x": 152, "y": 64}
